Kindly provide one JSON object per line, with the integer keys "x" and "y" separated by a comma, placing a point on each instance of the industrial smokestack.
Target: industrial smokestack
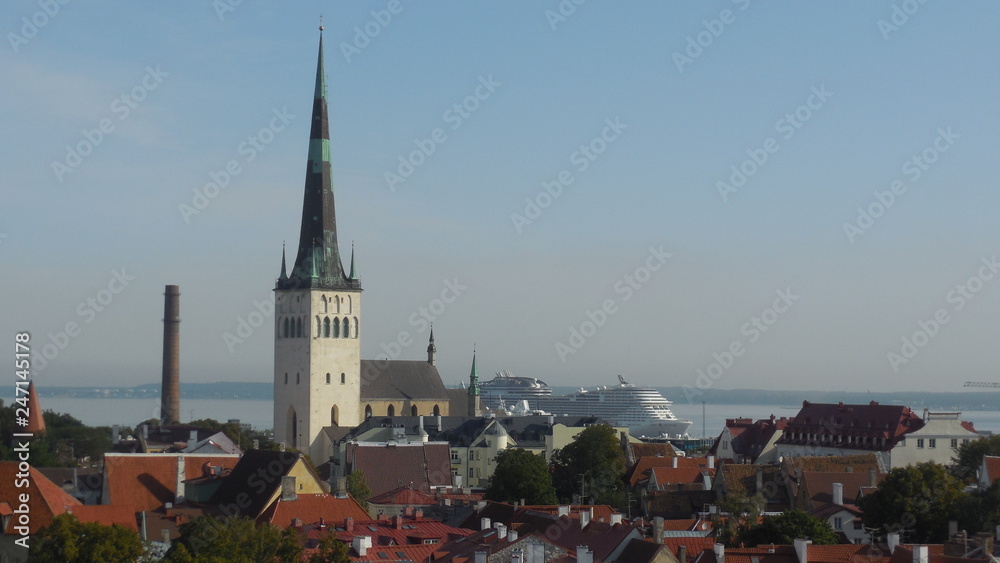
{"x": 170, "y": 395}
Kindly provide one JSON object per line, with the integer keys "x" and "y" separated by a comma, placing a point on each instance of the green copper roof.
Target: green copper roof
{"x": 474, "y": 377}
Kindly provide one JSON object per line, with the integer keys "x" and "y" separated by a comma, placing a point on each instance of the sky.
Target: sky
{"x": 723, "y": 194}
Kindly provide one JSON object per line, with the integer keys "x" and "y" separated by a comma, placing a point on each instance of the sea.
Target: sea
{"x": 258, "y": 413}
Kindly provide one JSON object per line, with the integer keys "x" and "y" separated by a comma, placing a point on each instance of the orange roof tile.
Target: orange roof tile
{"x": 670, "y": 475}
{"x": 46, "y": 500}
{"x": 148, "y": 481}
{"x": 641, "y": 469}
{"x": 403, "y": 495}
{"x": 310, "y": 508}
{"x": 107, "y": 515}
{"x": 992, "y": 467}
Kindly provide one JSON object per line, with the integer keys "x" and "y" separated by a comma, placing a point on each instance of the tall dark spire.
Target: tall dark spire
{"x": 474, "y": 376}
{"x": 317, "y": 262}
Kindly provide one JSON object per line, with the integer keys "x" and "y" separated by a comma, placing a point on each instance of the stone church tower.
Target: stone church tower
{"x": 317, "y": 346}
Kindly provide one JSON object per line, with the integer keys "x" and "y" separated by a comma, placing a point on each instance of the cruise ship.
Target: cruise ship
{"x": 642, "y": 409}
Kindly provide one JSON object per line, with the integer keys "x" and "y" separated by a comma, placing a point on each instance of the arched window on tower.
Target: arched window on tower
{"x": 328, "y": 379}
{"x": 338, "y": 299}
{"x": 284, "y": 326}
{"x": 437, "y": 410}
{"x": 343, "y": 378}
{"x": 334, "y": 415}
{"x": 347, "y": 327}
{"x": 413, "y": 410}
{"x": 336, "y": 327}
{"x": 368, "y": 411}
{"x": 326, "y": 327}
{"x": 323, "y": 299}
{"x": 391, "y": 411}
{"x": 298, "y": 327}
{"x": 356, "y": 327}
{"x": 350, "y": 305}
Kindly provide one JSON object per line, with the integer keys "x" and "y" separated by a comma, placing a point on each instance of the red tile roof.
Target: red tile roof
{"x": 148, "y": 481}
{"x": 992, "y": 464}
{"x": 640, "y": 471}
{"x": 404, "y": 495}
{"x": 873, "y": 426}
{"x": 819, "y": 485}
{"x": 602, "y": 512}
{"x": 666, "y": 476}
{"x": 107, "y": 515}
{"x": 386, "y": 467}
{"x": 46, "y": 500}
{"x": 310, "y": 508}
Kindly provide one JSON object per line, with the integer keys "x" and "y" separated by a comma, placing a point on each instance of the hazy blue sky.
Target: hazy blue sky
{"x": 839, "y": 97}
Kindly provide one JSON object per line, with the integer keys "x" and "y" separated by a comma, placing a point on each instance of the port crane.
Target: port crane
{"x": 993, "y": 384}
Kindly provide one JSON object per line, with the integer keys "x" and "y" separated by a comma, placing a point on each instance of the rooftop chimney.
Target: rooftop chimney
{"x": 872, "y": 477}
{"x": 349, "y": 524}
{"x": 706, "y": 481}
{"x": 288, "y": 488}
{"x": 480, "y": 557}
{"x": 711, "y": 462}
{"x": 584, "y": 555}
{"x": 616, "y": 518}
{"x": 341, "y": 487}
{"x": 360, "y": 544}
{"x": 893, "y": 541}
{"x": 170, "y": 406}
{"x": 484, "y": 523}
{"x": 584, "y": 518}
{"x": 562, "y": 510}
{"x": 720, "y": 552}
{"x": 512, "y": 536}
{"x": 802, "y": 550}
{"x": 179, "y": 485}
{"x": 682, "y": 554}
{"x": 673, "y": 462}
{"x": 658, "y": 530}
{"x": 501, "y": 530}
{"x": 920, "y": 554}
{"x": 838, "y": 493}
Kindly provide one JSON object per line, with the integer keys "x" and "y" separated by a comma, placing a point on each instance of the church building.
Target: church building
{"x": 320, "y": 379}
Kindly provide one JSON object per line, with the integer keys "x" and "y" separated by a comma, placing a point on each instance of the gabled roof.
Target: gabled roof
{"x": 386, "y": 467}
{"x": 819, "y": 485}
{"x": 148, "y": 481}
{"x": 668, "y": 475}
{"x": 749, "y": 437}
{"x": 873, "y": 426}
{"x": 253, "y": 482}
{"x": 640, "y": 471}
{"x": 992, "y": 466}
{"x": 311, "y": 508}
{"x": 46, "y": 500}
{"x": 641, "y": 551}
{"x": 401, "y": 379}
{"x": 742, "y": 479}
{"x": 403, "y": 495}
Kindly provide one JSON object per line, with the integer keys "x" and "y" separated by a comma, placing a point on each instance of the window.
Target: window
{"x": 932, "y": 443}
{"x": 391, "y": 411}
{"x": 368, "y": 411}
{"x": 454, "y": 456}
{"x": 725, "y": 446}
{"x": 413, "y": 410}
{"x": 347, "y": 327}
{"x": 326, "y": 327}
{"x": 286, "y": 379}
{"x": 328, "y": 379}
{"x": 920, "y": 442}
{"x": 838, "y": 523}
{"x": 954, "y": 443}
{"x": 343, "y": 378}
{"x": 965, "y": 440}
{"x": 336, "y": 327}
{"x": 858, "y": 525}
{"x": 296, "y": 379}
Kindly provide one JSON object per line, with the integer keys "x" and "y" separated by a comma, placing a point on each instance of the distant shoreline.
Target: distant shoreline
{"x": 983, "y": 400}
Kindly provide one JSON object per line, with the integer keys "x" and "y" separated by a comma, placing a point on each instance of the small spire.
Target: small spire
{"x": 354, "y": 274}
{"x": 284, "y": 271}
{"x": 474, "y": 375}
{"x": 431, "y": 348}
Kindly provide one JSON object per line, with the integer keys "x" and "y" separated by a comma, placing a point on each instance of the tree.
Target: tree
{"x": 969, "y": 457}
{"x": 784, "y": 528}
{"x": 736, "y": 512}
{"x": 921, "y": 498}
{"x": 67, "y": 540}
{"x": 357, "y": 487}
{"x": 594, "y": 462}
{"x": 233, "y": 540}
{"x": 331, "y": 550}
{"x": 520, "y": 474}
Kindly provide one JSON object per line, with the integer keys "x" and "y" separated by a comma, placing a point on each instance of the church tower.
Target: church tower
{"x": 317, "y": 340}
